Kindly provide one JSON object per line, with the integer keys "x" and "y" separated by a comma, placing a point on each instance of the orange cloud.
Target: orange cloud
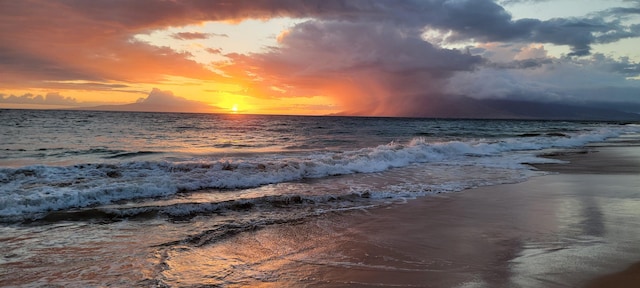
{"x": 50, "y": 41}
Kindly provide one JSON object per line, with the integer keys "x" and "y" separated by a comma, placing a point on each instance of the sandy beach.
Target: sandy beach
{"x": 574, "y": 228}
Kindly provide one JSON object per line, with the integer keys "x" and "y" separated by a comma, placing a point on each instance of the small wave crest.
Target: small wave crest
{"x": 186, "y": 211}
{"x": 122, "y": 155}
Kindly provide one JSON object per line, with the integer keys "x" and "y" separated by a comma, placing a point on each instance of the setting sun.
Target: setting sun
{"x": 234, "y": 109}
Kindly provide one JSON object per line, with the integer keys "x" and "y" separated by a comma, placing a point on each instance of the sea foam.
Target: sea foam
{"x": 36, "y": 189}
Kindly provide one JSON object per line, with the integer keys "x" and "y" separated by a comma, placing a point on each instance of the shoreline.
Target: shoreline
{"x": 570, "y": 229}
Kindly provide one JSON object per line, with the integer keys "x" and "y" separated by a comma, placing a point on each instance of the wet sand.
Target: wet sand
{"x": 577, "y": 228}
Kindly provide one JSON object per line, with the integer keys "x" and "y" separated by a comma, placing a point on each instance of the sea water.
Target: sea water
{"x": 100, "y": 198}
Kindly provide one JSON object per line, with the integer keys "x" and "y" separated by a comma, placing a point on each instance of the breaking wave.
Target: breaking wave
{"x": 33, "y": 190}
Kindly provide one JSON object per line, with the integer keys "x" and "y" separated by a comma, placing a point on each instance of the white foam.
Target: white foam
{"x": 36, "y": 189}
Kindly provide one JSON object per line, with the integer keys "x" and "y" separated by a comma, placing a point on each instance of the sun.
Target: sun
{"x": 234, "y": 108}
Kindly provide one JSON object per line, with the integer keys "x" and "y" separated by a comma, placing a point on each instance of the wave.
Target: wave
{"x": 65, "y": 152}
{"x": 549, "y": 134}
{"x": 38, "y": 189}
{"x": 130, "y": 154}
{"x": 186, "y": 211}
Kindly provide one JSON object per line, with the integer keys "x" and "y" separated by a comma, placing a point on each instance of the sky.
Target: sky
{"x": 319, "y": 57}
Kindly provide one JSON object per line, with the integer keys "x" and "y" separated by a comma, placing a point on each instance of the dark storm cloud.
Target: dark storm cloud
{"x": 484, "y": 20}
{"x": 592, "y": 80}
{"x": 480, "y": 19}
{"x": 622, "y": 11}
{"x": 578, "y": 34}
{"x": 622, "y": 65}
{"x": 509, "y": 2}
{"x": 521, "y": 64}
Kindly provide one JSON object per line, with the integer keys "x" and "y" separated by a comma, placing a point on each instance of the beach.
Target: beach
{"x": 572, "y": 228}
{"x": 314, "y": 201}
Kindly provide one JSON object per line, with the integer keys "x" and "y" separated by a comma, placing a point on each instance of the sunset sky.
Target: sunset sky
{"x": 318, "y": 57}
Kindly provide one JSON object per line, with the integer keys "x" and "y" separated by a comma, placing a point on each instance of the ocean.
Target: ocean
{"x": 93, "y": 198}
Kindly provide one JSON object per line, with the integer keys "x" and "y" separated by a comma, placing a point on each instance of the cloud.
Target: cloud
{"x": 17, "y": 65}
{"x": 510, "y": 2}
{"x": 596, "y": 79}
{"x": 485, "y": 20}
{"x": 622, "y": 65}
{"x": 367, "y": 55}
{"x": 370, "y": 57}
{"x": 196, "y": 35}
{"x": 190, "y": 35}
{"x": 159, "y": 100}
{"x": 162, "y": 101}
{"x": 48, "y": 99}
{"x": 379, "y": 64}
{"x": 156, "y": 101}
{"x": 76, "y": 45}
{"x": 369, "y": 68}
{"x": 522, "y": 64}
{"x": 104, "y": 20}
{"x": 89, "y": 86}
{"x": 214, "y": 50}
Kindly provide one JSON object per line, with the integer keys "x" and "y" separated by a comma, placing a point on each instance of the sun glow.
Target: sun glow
{"x": 234, "y": 108}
